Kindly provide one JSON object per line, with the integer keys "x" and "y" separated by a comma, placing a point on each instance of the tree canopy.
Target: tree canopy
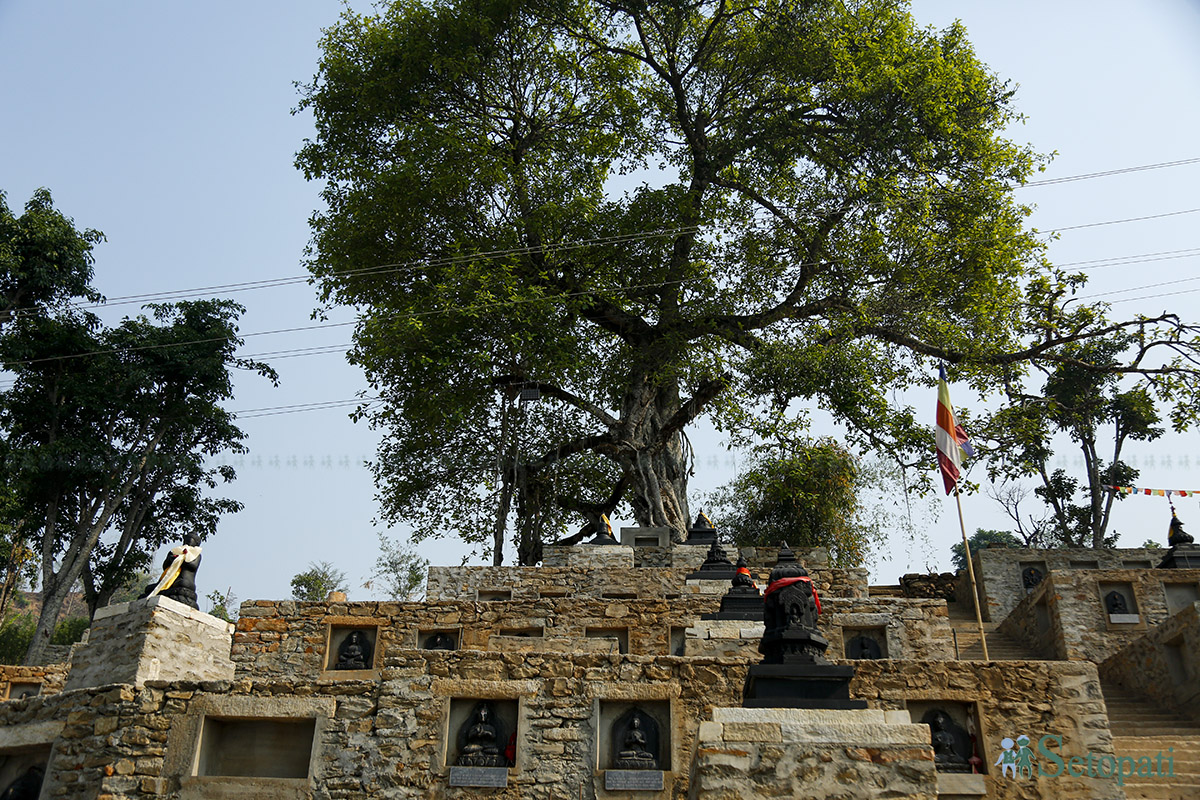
{"x": 44, "y": 259}
{"x": 807, "y": 494}
{"x": 315, "y": 583}
{"x": 652, "y": 211}
{"x": 106, "y": 432}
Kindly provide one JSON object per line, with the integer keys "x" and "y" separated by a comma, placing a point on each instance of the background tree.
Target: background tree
{"x": 982, "y": 537}
{"x": 399, "y": 571}
{"x": 106, "y": 431}
{"x": 44, "y": 260}
{"x": 806, "y": 494}
{"x": 826, "y": 209}
{"x": 315, "y": 583}
{"x": 1085, "y": 398}
{"x": 223, "y": 605}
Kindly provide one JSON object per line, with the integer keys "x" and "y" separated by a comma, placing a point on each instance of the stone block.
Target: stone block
{"x": 152, "y": 639}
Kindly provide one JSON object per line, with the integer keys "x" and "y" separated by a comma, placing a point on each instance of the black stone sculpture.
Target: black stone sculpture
{"x": 635, "y": 741}
{"x": 1177, "y": 534}
{"x": 604, "y": 537}
{"x": 864, "y": 647}
{"x": 1184, "y": 553}
{"x": 183, "y": 588}
{"x": 702, "y": 531}
{"x": 742, "y": 601}
{"x": 480, "y": 738}
{"x": 27, "y": 786}
{"x": 716, "y": 566}
{"x": 355, "y": 652}
{"x": 1115, "y": 603}
{"x": 794, "y": 672}
{"x": 951, "y": 744}
{"x": 440, "y": 641}
{"x": 1031, "y": 577}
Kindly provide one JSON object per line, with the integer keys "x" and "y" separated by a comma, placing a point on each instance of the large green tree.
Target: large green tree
{"x": 650, "y": 211}
{"x": 1083, "y": 397}
{"x": 44, "y": 259}
{"x": 106, "y": 432}
{"x": 805, "y": 493}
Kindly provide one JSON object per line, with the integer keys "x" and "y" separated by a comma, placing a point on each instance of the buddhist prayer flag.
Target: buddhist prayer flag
{"x": 1152, "y": 492}
{"x": 952, "y": 441}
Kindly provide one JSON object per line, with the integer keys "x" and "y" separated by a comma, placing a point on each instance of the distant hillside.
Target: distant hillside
{"x": 31, "y": 603}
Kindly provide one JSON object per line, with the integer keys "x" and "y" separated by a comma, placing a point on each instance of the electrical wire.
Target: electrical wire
{"x": 1123, "y": 171}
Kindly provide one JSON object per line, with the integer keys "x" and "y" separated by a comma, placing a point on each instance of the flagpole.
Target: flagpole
{"x": 971, "y": 573}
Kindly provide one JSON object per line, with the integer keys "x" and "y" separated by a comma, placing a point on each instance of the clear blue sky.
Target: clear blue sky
{"x": 168, "y": 127}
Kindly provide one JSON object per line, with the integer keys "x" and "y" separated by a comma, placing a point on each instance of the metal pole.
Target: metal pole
{"x": 971, "y": 573}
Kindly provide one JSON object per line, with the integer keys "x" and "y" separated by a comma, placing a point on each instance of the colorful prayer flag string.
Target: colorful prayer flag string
{"x": 1153, "y": 492}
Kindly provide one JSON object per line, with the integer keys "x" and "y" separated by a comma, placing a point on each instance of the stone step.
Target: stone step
{"x": 893, "y": 590}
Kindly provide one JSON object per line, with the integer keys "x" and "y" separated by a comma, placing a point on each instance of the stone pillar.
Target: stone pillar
{"x": 152, "y": 639}
{"x": 814, "y": 754}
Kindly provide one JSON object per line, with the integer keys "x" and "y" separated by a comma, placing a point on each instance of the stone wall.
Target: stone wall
{"x": 1067, "y": 619}
{"x": 1037, "y": 698}
{"x": 151, "y": 639}
{"x": 814, "y": 754}
{"x": 530, "y": 583}
{"x": 49, "y": 679}
{"x": 998, "y": 571}
{"x": 1164, "y": 664}
{"x": 289, "y": 638}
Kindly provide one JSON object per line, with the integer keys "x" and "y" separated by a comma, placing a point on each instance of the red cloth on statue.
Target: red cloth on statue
{"x": 782, "y": 582}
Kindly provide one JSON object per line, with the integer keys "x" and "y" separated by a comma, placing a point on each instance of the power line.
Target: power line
{"x": 1136, "y": 258}
{"x": 1138, "y": 288}
{"x": 381, "y": 269}
{"x": 1122, "y": 221}
{"x": 1089, "y": 175}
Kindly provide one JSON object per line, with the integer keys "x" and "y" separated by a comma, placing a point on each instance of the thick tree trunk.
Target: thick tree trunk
{"x": 658, "y": 461}
{"x": 53, "y": 598}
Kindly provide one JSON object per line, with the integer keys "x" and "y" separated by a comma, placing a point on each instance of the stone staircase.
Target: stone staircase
{"x": 1001, "y": 647}
{"x": 1143, "y": 729}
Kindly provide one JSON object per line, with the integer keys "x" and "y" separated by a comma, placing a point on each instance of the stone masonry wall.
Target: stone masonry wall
{"x": 1066, "y": 619}
{"x": 50, "y": 678}
{"x": 528, "y": 583}
{"x": 1164, "y": 664}
{"x": 289, "y": 638}
{"x": 1037, "y": 698}
{"x": 998, "y": 571}
{"x": 151, "y": 639}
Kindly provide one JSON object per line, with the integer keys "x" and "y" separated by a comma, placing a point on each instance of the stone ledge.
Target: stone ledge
{"x": 166, "y": 604}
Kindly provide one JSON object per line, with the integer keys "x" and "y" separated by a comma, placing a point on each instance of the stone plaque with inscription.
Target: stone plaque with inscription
{"x": 491, "y": 777}
{"x": 636, "y": 780}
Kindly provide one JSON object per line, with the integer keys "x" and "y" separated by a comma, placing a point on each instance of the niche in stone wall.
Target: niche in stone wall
{"x": 1175, "y": 654}
{"x": 1119, "y": 603}
{"x": 437, "y": 639}
{"x": 954, "y": 734}
{"x": 1032, "y": 574}
{"x": 23, "y": 769}
{"x": 634, "y": 745}
{"x": 255, "y": 748}
{"x": 18, "y": 690}
{"x": 619, "y": 637}
{"x": 1180, "y": 596}
{"x": 481, "y": 740}
{"x": 491, "y": 595}
{"x": 554, "y": 593}
{"x": 619, "y": 595}
{"x": 1138, "y": 564}
{"x": 522, "y": 633}
{"x": 865, "y": 643}
{"x": 676, "y": 640}
{"x": 352, "y": 648}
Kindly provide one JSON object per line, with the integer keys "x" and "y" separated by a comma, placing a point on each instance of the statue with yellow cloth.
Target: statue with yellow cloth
{"x": 178, "y": 580}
